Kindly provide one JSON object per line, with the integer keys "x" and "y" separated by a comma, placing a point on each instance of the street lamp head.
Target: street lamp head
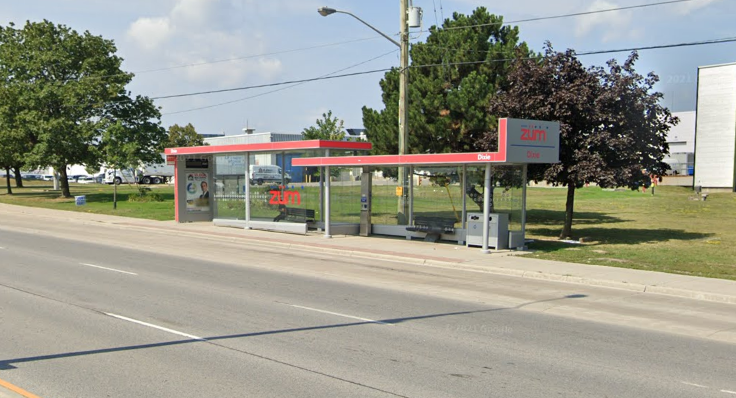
{"x": 325, "y": 11}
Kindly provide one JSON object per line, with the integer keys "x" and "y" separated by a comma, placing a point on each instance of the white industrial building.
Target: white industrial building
{"x": 715, "y": 128}
{"x": 681, "y": 139}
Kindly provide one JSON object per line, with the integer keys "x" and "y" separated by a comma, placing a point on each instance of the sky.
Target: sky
{"x": 186, "y": 46}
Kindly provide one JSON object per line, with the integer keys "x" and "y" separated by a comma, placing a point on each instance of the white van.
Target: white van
{"x": 267, "y": 173}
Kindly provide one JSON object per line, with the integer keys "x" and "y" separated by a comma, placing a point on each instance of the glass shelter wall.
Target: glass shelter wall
{"x": 274, "y": 185}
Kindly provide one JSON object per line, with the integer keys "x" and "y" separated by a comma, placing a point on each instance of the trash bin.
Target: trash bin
{"x": 80, "y": 200}
{"x": 498, "y": 230}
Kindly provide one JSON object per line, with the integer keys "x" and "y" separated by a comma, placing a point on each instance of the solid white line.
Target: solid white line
{"x": 693, "y": 384}
{"x": 339, "y": 314}
{"x": 109, "y": 269}
{"x": 150, "y": 325}
{"x": 729, "y": 392}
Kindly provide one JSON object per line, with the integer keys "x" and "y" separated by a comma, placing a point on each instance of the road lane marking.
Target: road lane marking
{"x": 109, "y": 269}
{"x": 693, "y": 384}
{"x": 17, "y": 389}
{"x": 339, "y": 314}
{"x": 150, "y": 325}
{"x": 729, "y": 392}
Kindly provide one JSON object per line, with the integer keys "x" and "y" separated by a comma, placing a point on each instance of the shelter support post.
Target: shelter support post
{"x": 463, "y": 190}
{"x": 410, "y": 221}
{"x": 524, "y": 171}
{"x": 486, "y": 208}
{"x": 322, "y": 193}
{"x": 327, "y": 198}
{"x": 247, "y": 190}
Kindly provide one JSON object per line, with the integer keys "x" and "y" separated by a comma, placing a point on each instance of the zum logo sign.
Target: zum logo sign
{"x": 284, "y": 197}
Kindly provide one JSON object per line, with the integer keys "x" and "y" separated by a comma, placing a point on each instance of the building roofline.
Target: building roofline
{"x": 717, "y": 65}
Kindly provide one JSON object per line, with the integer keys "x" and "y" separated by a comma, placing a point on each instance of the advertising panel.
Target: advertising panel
{"x": 198, "y": 192}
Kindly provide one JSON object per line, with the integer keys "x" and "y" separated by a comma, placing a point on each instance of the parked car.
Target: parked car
{"x": 30, "y": 176}
{"x": 47, "y": 177}
{"x": 87, "y": 180}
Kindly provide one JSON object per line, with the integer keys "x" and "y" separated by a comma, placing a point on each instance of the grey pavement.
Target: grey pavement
{"x": 447, "y": 255}
{"x": 276, "y": 322}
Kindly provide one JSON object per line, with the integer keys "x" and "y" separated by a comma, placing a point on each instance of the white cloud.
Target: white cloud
{"x": 150, "y": 33}
{"x": 201, "y": 31}
{"x": 609, "y": 25}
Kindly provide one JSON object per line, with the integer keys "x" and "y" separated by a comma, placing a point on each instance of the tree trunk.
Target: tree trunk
{"x": 18, "y": 177}
{"x": 64, "y": 181}
{"x": 7, "y": 180}
{"x": 567, "y": 229}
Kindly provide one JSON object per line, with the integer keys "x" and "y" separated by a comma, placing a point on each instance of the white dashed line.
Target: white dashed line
{"x": 150, "y": 325}
{"x": 693, "y": 384}
{"x": 109, "y": 269}
{"x": 729, "y": 392}
{"x": 339, "y": 314}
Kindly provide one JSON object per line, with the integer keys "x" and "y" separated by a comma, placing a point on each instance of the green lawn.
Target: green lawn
{"x": 99, "y": 199}
{"x": 663, "y": 232}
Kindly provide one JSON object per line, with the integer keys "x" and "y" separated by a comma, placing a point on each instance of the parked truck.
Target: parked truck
{"x": 145, "y": 174}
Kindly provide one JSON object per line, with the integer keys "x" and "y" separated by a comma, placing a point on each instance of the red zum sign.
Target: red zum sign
{"x": 533, "y": 134}
{"x": 283, "y": 197}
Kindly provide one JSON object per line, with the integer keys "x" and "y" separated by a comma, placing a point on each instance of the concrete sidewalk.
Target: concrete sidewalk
{"x": 448, "y": 255}
{"x": 445, "y": 255}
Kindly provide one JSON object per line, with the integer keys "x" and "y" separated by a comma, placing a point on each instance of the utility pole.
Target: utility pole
{"x": 403, "y": 110}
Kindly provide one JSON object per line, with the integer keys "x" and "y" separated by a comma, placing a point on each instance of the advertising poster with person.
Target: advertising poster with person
{"x": 198, "y": 193}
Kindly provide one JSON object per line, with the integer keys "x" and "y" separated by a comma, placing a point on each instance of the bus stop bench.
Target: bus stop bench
{"x": 294, "y": 214}
{"x": 433, "y": 226}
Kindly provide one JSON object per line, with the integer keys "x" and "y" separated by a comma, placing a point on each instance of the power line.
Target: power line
{"x": 270, "y": 84}
{"x": 277, "y": 90}
{"x": 375, "y": 37}
{"x": 663, "y": 46}
{"x": 596, "y": 52}
{"x": 576, "y": 14}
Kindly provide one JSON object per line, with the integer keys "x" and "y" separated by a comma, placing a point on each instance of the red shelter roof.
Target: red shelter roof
{"x": 283, "y": 146}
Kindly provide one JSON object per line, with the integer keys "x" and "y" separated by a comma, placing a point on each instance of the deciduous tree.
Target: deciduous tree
{"x": 181, "y": 136}
{"x": 612, "y": 126}
{"x": 327, "y": 128}
{"x": 68, "y": 84}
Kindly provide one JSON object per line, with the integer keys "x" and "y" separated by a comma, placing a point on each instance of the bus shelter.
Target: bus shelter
{"x": 440, "y": 183}
{"x": 256, "y": 185}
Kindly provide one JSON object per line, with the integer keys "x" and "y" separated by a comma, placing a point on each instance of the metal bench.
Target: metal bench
{"x": 295, "y": 214}
{"x": 433, "y": 227}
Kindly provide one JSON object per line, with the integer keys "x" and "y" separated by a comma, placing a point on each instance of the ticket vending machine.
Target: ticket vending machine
{"x": 498, "y": 230}
{"x": 366, "y": 182}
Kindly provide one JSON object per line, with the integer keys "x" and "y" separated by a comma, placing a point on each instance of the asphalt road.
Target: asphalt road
{"x": 87, "y": 320}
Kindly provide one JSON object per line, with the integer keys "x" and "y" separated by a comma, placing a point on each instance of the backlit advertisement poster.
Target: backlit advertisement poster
{"x": 198, "y": 193}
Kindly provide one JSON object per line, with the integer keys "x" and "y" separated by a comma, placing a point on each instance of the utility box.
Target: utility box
{"x": 498, "y": 230}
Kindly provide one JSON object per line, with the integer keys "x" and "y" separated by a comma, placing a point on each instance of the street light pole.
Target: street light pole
{"x": 403, "y": 110}
{"x": 403, "y": 95}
